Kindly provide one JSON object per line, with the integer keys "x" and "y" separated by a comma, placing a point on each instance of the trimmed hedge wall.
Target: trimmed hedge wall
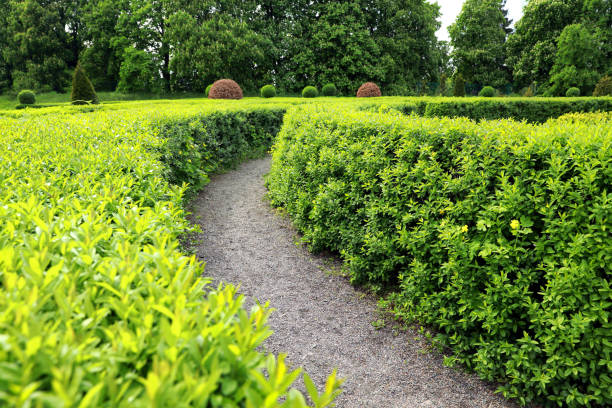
{"x": 98, "y": 306}
{"x": 533, "y": 111}
{"x": 496, "y": 234}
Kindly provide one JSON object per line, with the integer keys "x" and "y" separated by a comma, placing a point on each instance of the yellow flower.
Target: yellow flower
{"x": 514, "y": 224}
{"x": 464, "y": 228}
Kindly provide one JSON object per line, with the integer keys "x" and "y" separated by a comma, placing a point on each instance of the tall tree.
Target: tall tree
{"x": 531, "y": 49}
{"x": 405, "y": 32}
{"x": 333, "y": 44}
{"x": 37, "y": 45}
{"x": 478, "y": 37}
{"x": 221, "y": 47}
{"x": 103, "y": 50}
{"x": 576, "y": 62}
{"x": 5, "y": 68}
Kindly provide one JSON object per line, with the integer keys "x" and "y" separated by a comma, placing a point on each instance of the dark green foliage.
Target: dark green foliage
{"x": 459, "y": 89}
{"x": 487, "y": 92}
{"x": 572, "y": 92}
{"x": 603, "y": 87}
{"x": 477, "y": 37}
{"x": 82, "y": 89}
{"x": 532, "y": 110}
{"x": 329, "y": 90}
{"x": 310, "y": 92}
{"x": 26, "y": 97}
{"x": 497, "y": 235}
{"x": 208, "y": 90}
{"x": 268, "y": 91}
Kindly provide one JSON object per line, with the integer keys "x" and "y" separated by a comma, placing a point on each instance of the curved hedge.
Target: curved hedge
{"x": 497, "y": 234}
{"x": 98, "y": 306}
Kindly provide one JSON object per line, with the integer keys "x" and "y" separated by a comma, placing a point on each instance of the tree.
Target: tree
{"x": 531, "y": 49}
{"x": 478, "y": 36}
{"x": 138, "y": 72}
{"x": 5, "y": 68}
{"x": 221, "y": 47}
{"x": 404, "y": 31}
{"x": 459, "y": 89}
{"x": 102, "y": 54}
{"x": 37, "y": 46}
{"x": 334, "y": 45}
{"x": 576, "y": 62}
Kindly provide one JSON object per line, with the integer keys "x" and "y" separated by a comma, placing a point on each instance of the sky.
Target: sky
{"x": 451, "y": 8}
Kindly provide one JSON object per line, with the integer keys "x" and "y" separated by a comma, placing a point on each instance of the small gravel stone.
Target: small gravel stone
{"x": 321, "y": 322}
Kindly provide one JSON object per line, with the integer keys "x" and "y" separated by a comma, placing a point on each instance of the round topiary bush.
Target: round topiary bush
{"x": 208, "y": 90}
{"x": 603, "y": 87}
{"x": 268, "y": 91}
{"x": 26, "y": 97}
{"x": 225, "y": 89}
{"x": 368, "y": 90}
{"x": 572, "y": 92}
{"x": 329, "y": 90}
{"x": 310, "y": 92}
{"x": 487, "y": 92}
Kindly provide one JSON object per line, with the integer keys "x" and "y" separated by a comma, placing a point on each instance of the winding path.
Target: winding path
{"x": 321, "y": 321}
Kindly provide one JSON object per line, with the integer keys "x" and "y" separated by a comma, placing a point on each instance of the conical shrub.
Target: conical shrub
{"x": 82, "y": 89}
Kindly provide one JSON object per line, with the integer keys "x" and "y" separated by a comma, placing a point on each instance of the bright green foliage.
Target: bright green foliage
{"x": 98, "y": 307}
{"x": 82, "y": 89}
{"x": 268, "y": 91}
{"x": 572, "y": 92}
{"x": 329, "y": 90}
{"x": 498, "y": 234}
{"x": 487, "y": 92}
{"x": 576, "y": 61}
{"x": 459, "y": 89}
{"x": 603, "y": 87}
{"x": 477, "y": 37}
{"x": 137, "y": 73}
{"x": 207, "y": 90}
{"x": 310, "y": 92}
{"x": 26, "y": 97}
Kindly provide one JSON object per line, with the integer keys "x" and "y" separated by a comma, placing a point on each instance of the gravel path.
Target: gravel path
{"x": 321, "y": 321}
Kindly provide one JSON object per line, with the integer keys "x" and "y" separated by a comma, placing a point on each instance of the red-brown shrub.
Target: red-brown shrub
{"x": 368, "y": 90}
{"x": 225, "y": 89}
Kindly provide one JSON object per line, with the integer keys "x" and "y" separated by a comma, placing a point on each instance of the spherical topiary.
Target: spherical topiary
{"x": 310, "y": 92}
{"x": 368, "y": 90}
{"x": 208, "y": 90}
{"x": 487, "y": 92}
{"x": 329, "y": 90}
{"x": 225, "y": 89}
{"x": 26, "y": 97}
{"x": 572, "y": 92}
{"x": 604, "y": 86}
{"x": 268, "y": 91}
{"x": 82, "y": 88}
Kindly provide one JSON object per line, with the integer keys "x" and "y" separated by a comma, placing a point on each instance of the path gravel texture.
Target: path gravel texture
{"x": 321, "y": 321}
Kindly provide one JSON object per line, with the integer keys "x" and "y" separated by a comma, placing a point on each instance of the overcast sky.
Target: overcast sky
{"x": 451, "y": 8}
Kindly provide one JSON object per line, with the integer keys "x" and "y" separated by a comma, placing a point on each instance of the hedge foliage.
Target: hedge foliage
{"x": 531, "y": 110}
{"x": 495, "y": 234}
{"x": 98, "y": 306}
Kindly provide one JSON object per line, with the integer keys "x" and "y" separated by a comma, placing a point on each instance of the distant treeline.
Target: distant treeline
{"x": 185, "y": 45}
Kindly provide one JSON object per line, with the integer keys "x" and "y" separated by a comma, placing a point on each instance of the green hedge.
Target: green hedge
{"x": 98, "y": 306}
{"x": 533, "y": 110}
{"x": 497, "y": 234}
